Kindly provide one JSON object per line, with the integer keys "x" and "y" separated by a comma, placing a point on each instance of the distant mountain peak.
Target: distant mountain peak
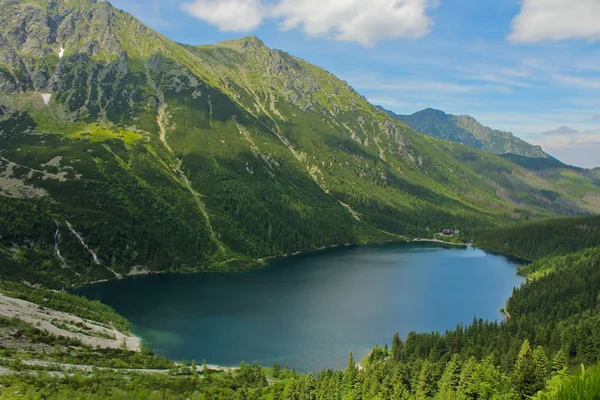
{"x": 467, "y": 130}
{"x": 434, "y": 111}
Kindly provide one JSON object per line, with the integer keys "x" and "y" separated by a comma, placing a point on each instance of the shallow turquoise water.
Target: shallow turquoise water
{"x": 311, "y": 310}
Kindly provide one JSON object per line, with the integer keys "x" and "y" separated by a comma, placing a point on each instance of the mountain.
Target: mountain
{"x": 123, "y": 152}
{"x": 465, "y": 129}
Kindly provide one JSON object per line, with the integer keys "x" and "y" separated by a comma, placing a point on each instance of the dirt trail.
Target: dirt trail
{"x": 91, "y": 368}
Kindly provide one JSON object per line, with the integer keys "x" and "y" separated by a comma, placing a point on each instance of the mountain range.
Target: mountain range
{"x": 124, "y": 152}
{"x": 467, "y": 130}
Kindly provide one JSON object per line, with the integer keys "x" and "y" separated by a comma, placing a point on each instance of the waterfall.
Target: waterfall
{"x": 63, "y": 262}
{"x": 74, "y": 232}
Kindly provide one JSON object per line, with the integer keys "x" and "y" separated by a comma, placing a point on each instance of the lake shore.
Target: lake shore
{"x": 261, "y": 262}
{"x": 441, "y": 242}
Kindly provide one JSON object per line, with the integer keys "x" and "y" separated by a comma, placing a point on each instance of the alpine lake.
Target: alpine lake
{"x": 309, "y": 311}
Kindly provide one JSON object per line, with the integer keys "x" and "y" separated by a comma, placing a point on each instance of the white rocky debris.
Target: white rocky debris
{"x": 55, "y": 322}
{"x": 61, "y": 53}
{"x": 46, "y": 98}
{"x": 355, "y": 215}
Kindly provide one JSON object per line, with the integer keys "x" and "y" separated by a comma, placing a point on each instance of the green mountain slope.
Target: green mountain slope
{"x": 465, "y": 129}
{"x": 124, "y": 152}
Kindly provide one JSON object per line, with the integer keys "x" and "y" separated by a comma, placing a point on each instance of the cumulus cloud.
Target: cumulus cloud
{"x": 572, "y": 146}
{"x": 227, "y": 15}
{"x": 568, "y": 132}
{"x": 563, "y": 130}
{"x": 552, "y": 20}
{"x": 365, "y": 22}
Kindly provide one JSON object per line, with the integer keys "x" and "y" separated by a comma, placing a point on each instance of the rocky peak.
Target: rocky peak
{"x": 245, "y": 44}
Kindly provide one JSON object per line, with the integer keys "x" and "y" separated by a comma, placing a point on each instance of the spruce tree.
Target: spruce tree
{"x": 467, "y": 385}
{"x": 528, "y": 377}
{"x": 276, "y": 370}
{"x": 396, "y": 347}
{"x": 560, "y": 362}
{"x": 450, "y": 379}
{"x": 427, "y": 381}
{"x": 541, "y": 366}
{"x": 308, "y": 392}
{"x": 292, "y": 390}
{"x": 349, "y": 378}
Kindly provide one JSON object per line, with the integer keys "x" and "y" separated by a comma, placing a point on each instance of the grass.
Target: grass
{"x": 585, "y": 386}
{"x": 99, "y": 134}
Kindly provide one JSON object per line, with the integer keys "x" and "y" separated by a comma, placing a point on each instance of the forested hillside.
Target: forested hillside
{"x": 123, "y": 152}
{"x": 536, "y": 239}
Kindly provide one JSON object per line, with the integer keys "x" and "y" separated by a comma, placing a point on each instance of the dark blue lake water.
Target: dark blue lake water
{"x": 311, "y": 310}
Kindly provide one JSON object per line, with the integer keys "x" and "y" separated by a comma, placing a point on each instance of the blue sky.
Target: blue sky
{"x": 531, "y": 67}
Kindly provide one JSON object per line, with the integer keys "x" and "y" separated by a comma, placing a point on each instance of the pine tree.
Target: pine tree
{"x": 427, "y": 382}
{"x": 489, "y": 381}
{"x": 541, "y": 366}
{"x": 308, "y": 393}
{"x": 396, "y": 347}
{"x": 292, "y": 390}
{"x": 527, "y": 376}
{"x": 276, "y": 370}
{"x": 400, "y": 391}
{"x": 467, "y": 386}
{"x": 349, "y": 379}
{"x": 560, "y": 362}
{"x": 450, "y": 379}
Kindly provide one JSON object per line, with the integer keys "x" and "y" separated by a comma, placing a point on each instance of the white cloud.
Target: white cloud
{"x": 411, "y": 85}
{"x": 365, "y": 22}
{"x": 361, "y": 21}
{"x": 562, "y": 131}
{"x": 580, "y": 153}
{"x": 572, "y": 146}
{"x": 227, "y": 15}
{"x": 552, "y": 20}
{"x": 577, "y": 82}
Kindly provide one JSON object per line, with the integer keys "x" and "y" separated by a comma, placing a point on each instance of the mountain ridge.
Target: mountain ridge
{"x": 156, "y": 156}
{"x": 466, "y": 129}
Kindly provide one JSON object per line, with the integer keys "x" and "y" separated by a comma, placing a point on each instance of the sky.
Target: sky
{"x": 531, "y": 67}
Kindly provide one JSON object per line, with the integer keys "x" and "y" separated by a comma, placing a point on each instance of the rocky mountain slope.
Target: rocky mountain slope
{"x": 123, "y": 152}
{"x": 467, "y": 130}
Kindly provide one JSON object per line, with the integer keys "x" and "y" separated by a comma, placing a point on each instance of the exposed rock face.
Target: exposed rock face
{"x": 34, "y": 31}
